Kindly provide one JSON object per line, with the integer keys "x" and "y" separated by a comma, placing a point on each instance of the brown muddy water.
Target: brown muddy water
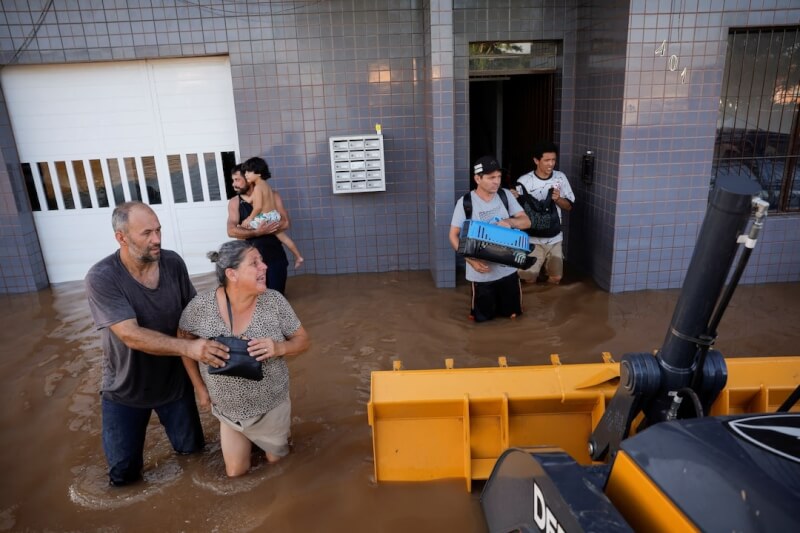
{"x": 52, "y": 466}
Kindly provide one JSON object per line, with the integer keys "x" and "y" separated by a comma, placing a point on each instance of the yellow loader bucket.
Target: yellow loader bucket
{"x": 455, "y": 422}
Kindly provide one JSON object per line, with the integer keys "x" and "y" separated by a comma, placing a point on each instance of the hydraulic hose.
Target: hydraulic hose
{"x": 749, "y": 241}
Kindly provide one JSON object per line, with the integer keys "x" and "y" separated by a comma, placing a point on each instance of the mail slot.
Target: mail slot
{"x": 357, "y": 163}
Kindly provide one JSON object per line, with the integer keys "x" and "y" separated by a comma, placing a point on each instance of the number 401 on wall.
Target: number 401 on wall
{"x": 672, "y": 62}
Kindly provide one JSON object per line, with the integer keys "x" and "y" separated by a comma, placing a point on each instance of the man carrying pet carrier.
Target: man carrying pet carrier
{"x": 495, "y": 287}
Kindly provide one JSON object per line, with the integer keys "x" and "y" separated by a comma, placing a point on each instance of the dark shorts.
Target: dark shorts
{"x": 491, "y": 299}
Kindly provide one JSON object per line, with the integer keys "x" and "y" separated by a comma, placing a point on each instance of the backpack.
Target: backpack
{"x": 545, "y": 221}
{"x": 467, "y": 203}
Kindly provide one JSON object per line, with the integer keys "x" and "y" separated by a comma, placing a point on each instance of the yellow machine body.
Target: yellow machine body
{"x": 455, "y": 422}
{"x": 642, "y": 502}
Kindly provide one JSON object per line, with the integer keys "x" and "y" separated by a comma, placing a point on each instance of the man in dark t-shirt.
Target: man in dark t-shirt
{"x": 263, "y": 238}
{"x": 136, "y": 296}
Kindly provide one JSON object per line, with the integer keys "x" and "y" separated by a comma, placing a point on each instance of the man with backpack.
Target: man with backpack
{"x": 544, "y": 193}
{"x": 495, "y": 287}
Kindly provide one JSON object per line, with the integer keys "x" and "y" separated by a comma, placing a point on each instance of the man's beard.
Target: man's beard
{"x": 148, "y": 255}
{"x": 149, "y": 258}
{"x": 247, "y": 189}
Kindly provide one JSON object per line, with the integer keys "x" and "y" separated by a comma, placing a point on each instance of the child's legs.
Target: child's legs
{"x": 289, "y": 243}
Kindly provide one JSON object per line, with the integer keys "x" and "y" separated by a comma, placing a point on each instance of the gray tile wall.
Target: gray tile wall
{"x": 484, "y": 20}
{"x": 21, "y": 262}
{"x": 305, "y": 71}
{"x": 599, "y": 81}
{"x": 439, "y": 116}
{"x": 667, "y": 142}
{"x": 302, "y": 72}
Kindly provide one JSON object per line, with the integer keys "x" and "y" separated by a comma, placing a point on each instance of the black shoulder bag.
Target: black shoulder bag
{"x": 545, "y": 221}
{"x": 241, "y": 364}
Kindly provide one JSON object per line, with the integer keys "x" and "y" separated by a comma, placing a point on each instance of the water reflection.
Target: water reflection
{"x": 50, "y": 369}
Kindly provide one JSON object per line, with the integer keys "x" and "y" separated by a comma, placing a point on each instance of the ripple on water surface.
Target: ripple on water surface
{"x": 92, "y": 491}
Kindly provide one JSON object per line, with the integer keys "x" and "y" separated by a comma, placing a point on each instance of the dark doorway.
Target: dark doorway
{"x": 507, "y": 116}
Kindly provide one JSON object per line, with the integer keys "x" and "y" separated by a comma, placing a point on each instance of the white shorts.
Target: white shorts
{"x": 270, "y": 217}
{"x": 269, "y": 431}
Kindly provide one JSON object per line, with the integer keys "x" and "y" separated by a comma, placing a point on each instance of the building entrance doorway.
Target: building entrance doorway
{"x": 508, "y": 114}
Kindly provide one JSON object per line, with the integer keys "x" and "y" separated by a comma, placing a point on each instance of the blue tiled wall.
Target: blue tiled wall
{"x": 301, "y": 73}
{"x": 482, "y": 20}
{"x": 599, "y": 81}
{"x": 440, "y": 134}
{"x": 21, "y": 262}
{"x": 667, "y": 142}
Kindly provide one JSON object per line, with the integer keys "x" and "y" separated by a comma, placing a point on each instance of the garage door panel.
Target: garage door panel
{"x": 203, "y": 228}
{"x": 71, "y": 244}
{"x": 62, "y": 108}
{"x": 93, "y": 135}
{"x": 195, "y": 102}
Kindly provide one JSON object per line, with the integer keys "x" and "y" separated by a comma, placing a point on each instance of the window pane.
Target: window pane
{"x": 27, "y": 174}
{"x": 212, "y": 177}
{"x": 47, "y": 181}
{"x": 116, "y": 180}
{"x": 176, "y": 178}
{"x": 757, "y": 123}
{"x": 228, "y": 162}
{"x": 794, "y": 196}
{"x": 83, "y": 187}
{"x": 498, "y": 57}
{"x": 63, "y": 183}
{"x": 99, "y": 184}
{"x": 133, "y": 178}
{"x": 151, "y": 179}
{"x": 194, "y": 177}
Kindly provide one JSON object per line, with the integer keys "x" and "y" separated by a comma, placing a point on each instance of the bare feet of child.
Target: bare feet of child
{"x": 298, "y": 261}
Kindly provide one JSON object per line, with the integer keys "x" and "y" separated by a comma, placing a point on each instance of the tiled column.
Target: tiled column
{"x": 21, "y": 263}
{"x": 441, "y": 140}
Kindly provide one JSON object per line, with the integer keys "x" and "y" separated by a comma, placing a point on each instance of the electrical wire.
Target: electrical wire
{"x": 687, "y": 392}
{"x": 32, "y": 34}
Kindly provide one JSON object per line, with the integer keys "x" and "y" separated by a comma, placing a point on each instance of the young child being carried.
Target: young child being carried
{"x": 264, "y": 204}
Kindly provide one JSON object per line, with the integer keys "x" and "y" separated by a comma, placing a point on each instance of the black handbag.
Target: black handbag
{"x": 545, "y": 221}
{"x": 241, "y": 364}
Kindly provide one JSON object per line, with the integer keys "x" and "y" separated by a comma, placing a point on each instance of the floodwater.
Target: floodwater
{"x": 52, "y": 466}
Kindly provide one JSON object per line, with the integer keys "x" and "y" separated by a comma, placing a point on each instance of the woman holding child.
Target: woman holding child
{"x": 249, "y": 411}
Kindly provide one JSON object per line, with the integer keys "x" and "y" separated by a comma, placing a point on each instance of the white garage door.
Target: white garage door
{"x": 91, "y": 136}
